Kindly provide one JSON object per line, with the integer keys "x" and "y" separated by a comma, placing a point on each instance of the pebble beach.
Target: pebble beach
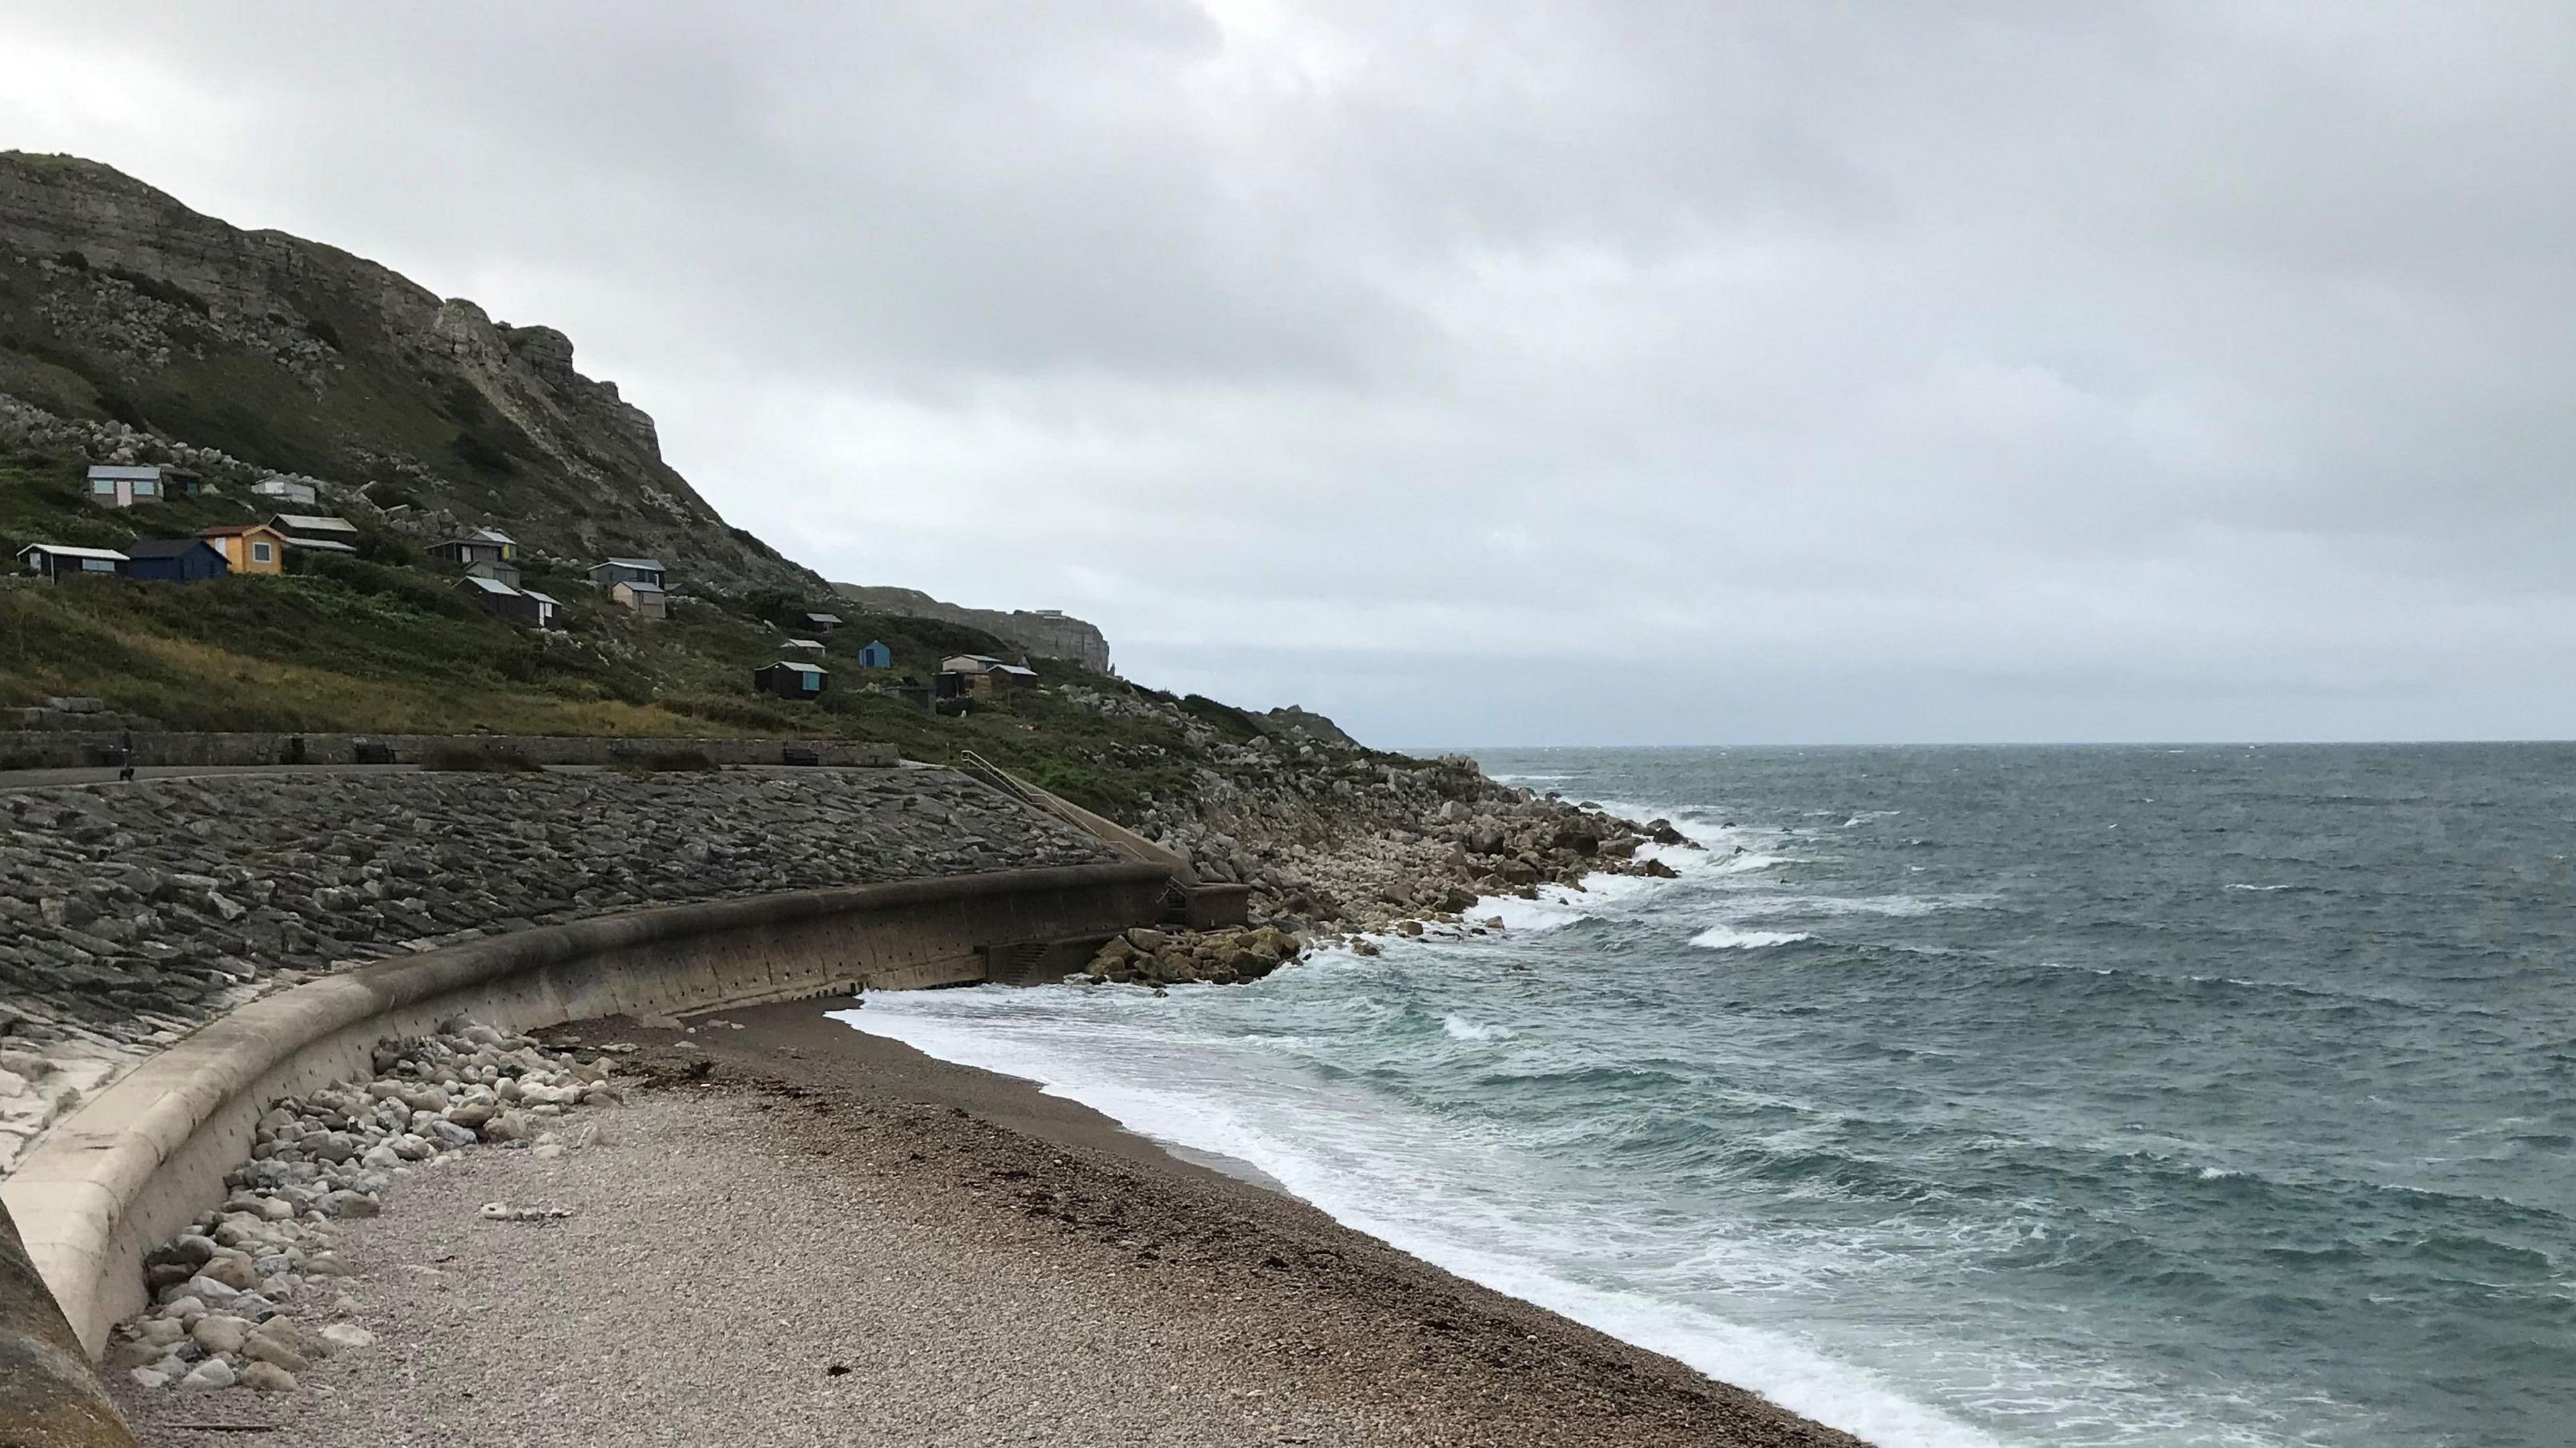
{"x": 792, "y": 1233}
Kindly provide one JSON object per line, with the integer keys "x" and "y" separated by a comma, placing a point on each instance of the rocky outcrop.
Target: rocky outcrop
{"x": 1044, "y": 633}
{"x": 139, "y": 330}
{"x": 1333, "y": 838}
{"x": 1306, "y": 724}
{"x": 130, "y": 914}
{"x": 1147, "y": 956}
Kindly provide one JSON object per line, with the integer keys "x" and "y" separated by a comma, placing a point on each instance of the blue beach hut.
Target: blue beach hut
{"x": 176, "y": 560}
{"x": 790, "y": 680}
{"x": 876, "y": 656}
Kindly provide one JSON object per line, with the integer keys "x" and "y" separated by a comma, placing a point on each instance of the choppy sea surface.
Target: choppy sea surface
{"x": 2070, "y": 1096}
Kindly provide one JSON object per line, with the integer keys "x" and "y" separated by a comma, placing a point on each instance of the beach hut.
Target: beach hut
{"x": 316, "y": 532}
{"x": 531, "y": 610}
{"x": 611, "y": 572}
{"x": 126, "y": 487}
{"x": 484, "y": 552}
{"x": 789, "y": 679}
{"x": 59, "y": 560}
{"x": 249, "y": 547}
{"x": 876, "y": 655}
{"x": 963, "y": 674}
{"x": 647, "y": 599}
{"x": 176, "y": 560}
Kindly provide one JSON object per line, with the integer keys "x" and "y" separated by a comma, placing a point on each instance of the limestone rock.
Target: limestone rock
{"x": 214, "y": 1372}
{"x": 221, "y": 1332}
{"x": 268, "y": 1377}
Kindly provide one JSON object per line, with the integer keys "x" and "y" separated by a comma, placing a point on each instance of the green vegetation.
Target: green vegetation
{"x": 310, "y": 361}
{"x": 385, "y": 643}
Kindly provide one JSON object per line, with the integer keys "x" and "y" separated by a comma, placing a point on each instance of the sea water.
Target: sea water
{"x": 2117, "y": 1096}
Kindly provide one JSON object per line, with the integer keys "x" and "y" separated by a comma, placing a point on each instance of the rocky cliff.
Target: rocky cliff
{"x": 135, "y": 329}
{"x": 1048, "y": 635}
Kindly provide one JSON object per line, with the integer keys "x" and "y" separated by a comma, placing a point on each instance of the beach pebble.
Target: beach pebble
{"x": 221, "y": 1332}
{"x": 207, "y": 1289}
{"x": 448, "y": 1133}
{"x": 278, "y": 1348}
{"x": 193, "y": 1249}
{"x": 230, "y": 1269}
{"x": 268, "y": 1377}
{"x": 214, "y": 1372}
{"x": 344, "y": 1336}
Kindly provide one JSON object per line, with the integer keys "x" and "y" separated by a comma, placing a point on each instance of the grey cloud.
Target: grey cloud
{"x": 1852, "y": 372}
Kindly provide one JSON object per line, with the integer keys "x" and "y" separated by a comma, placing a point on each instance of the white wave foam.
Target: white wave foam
{"x": 1459, "y": 1028}
{"x": 1748, "y": 907}
{"x": 2259, "y": 889}
{"x": 1727, "y": 937}
{"x": 1558, "y": 906}
{"x": 1746, "y": 862}
{"x": 1549, "y": 912}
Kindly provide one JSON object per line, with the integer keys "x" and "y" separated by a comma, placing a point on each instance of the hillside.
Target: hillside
{"x": 135, "y": 329}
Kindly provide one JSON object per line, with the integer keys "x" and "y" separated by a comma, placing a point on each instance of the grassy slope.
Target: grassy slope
{"x": 385, "y": 645}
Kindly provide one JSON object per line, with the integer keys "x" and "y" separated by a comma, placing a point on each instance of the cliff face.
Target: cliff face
{"x": 132, "y": 325}
{"x": 1048, "y": 635}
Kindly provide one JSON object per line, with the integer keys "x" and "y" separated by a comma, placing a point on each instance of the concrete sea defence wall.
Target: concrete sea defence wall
{"x": 132, "y": 913}
{"x": 82, "y": 749}
{"x": 136, "y": 1164}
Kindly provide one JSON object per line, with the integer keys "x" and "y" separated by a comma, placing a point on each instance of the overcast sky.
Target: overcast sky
{"x": 1491, "y": 372}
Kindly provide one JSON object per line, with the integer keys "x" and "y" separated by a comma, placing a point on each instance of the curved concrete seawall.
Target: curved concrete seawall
{"x": 138, "y": 1163}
